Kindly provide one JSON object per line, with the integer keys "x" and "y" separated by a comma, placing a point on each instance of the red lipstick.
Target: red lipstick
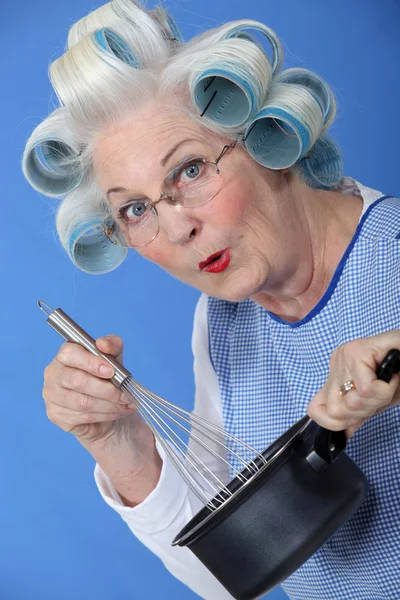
{"x": 216, "y": 263}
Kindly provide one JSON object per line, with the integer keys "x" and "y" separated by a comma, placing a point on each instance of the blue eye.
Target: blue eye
{"x": 192, "y": 171}
{"x": 135, "y": 210}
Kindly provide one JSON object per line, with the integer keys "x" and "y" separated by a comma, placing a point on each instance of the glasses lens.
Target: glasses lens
{"x": 131, "y": 225}
{"x": 194, "y": 183}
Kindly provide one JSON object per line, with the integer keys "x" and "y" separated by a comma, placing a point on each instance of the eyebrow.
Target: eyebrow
{"x": 163, "y": 162}
{"x": 174, "y": 149}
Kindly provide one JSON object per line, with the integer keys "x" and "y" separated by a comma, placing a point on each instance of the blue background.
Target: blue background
{"x": 58, "y": 539}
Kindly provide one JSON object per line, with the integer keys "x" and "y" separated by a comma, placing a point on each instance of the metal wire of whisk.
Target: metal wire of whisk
{"x": 176, "y": 429}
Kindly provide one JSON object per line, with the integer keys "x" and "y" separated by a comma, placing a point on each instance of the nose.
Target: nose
{"x": 177, "y": 223}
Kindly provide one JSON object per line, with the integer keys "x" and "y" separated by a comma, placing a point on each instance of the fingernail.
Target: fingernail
{"x": 106, "y": 370}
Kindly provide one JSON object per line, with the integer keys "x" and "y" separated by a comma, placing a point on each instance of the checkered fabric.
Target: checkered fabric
{"x": 269, "y": 369}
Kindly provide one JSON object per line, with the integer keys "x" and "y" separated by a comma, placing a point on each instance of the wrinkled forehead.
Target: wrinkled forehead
{"x": 135, "y": 145}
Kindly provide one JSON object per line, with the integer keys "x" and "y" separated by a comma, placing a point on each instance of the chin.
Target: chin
{"x": 236, "y": 291}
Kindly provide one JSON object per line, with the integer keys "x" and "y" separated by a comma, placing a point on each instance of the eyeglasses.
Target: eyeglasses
{"x": 194, "y": 183}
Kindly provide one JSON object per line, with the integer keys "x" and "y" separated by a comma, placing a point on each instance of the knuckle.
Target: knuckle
{"x": 45, "y": 394}
{"x": 48, "y": 393}
{"x": 88, "y": 417}
{"x": 364, "y": 389}
{"x": 50, "y": 414}
{"x": 122, "y": 397}
{"x": 83, "y": 402}
{"x": 111, "y": 393}
{"x": 77, "y": 379}
{"x": 335, "y": 411}
{"x": 65, "y": 351}
{"x": 92, "y": 365}
{"x": 355, "y": 403}
{"x": 50, "y": 371}
{"x": 312, "y": 413}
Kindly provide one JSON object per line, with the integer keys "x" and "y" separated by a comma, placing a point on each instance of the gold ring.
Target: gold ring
{"x": 347, "y": 386}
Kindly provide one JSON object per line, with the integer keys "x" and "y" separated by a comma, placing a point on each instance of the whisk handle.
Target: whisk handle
{"x": 71, "y": 332}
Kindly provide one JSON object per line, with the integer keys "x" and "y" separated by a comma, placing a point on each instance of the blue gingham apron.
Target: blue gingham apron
{"x": 269, "y": 369}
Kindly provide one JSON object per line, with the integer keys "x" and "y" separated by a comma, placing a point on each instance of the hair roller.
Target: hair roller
{"x": 239, "y": 30}
{"x": 323, "y": 166}
{"x": 177, "y": 36}
{"x": 316, "y": 86}
{"x": 89, "y": 248}
{"x": 285, "y": 128}
{"x": 141, "y": 29}
{"x": 51, "y": 161}
{"x": 229, "y": 86}
{"x": 115, "y": 45}
{"x": 105, "y": 53}
{"x": 167, "y": 23}
{"x": 80, "y": 227}
{"x": 232, "y": 80}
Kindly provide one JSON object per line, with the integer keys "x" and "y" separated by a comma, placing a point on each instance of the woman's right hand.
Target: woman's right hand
{"x": 79, "y": 397}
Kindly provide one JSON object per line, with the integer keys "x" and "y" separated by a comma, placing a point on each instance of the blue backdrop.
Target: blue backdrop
{"x": 58, "y": 539}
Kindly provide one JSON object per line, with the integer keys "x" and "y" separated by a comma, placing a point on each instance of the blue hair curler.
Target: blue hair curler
{"x": 227, "y": 92}
{"x": 91, "y": 251}
{"x": 52, "y": 167}
{"x": 177, "y": 36}
{"x": 277, "y": 53}
{"x": 112, "y": 43}
{"x": 224, "y": 97}
{"x": 323, "y": 166}
{"x": 315, "y": 85}
{"x": 276, "y": 139}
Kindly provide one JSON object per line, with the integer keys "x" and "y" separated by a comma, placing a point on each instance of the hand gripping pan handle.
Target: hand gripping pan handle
{"x": 71, "y": 332}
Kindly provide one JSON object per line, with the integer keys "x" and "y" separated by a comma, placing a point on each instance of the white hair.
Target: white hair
{"x": 121, "y": 56}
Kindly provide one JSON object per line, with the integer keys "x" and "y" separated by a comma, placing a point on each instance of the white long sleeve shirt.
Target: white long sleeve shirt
{"x": 158, "y": 519}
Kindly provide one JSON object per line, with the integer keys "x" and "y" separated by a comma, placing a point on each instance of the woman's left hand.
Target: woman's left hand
{"x": 356, "y": 361}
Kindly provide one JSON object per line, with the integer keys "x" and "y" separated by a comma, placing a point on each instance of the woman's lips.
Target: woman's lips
{"x": 216, "y": 263}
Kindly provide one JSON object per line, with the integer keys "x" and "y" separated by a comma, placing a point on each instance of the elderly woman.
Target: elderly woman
{"x": 213, "y": 163}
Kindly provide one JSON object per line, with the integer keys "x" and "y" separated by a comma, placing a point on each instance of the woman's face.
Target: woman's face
{"x": 250, "y": 218}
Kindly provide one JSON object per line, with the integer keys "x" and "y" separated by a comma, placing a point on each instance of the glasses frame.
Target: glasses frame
{"x": 110, "y": 231}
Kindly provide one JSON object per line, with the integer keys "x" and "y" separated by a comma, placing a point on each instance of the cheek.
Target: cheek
{"x": 157, "y": 252}
{"x": 228, "y": 208}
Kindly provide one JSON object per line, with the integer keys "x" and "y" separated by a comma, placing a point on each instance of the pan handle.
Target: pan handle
{"x": 329, "y": 444}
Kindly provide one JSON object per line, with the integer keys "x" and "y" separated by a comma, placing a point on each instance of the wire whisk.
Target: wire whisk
{"x": 182, "y": 434}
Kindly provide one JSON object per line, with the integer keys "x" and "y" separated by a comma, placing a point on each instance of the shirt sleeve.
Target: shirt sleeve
{"x": 169, "y": 507}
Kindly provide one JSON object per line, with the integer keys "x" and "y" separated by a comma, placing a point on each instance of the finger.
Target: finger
{"x": 376, "y": 394}
{"x": 340, "y": 408}
{"x": 89, "y": 385}
{"x": 372, "y": 350}
{"x": 67, "y": 419}
{"x": 82, "y": 403}
{"x": 320, "y": 415}
{"x": 73, "y": 355}
{"x": 111, "y": 344}
{"x": 318, "y": 412}
{"x": 364, "y": 400}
